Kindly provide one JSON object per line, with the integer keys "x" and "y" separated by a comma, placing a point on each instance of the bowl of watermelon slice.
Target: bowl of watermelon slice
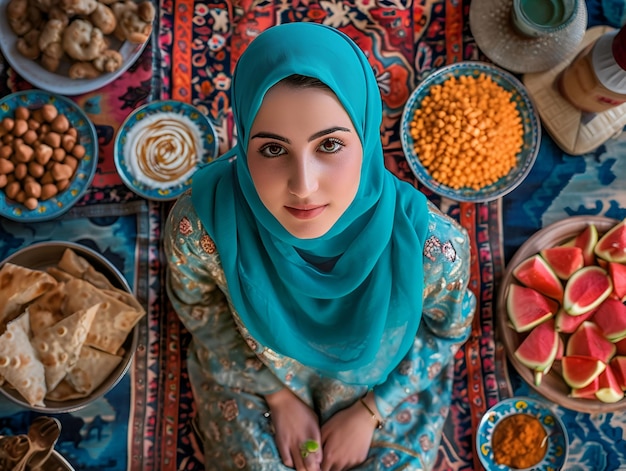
{"x": 562, "y": 315}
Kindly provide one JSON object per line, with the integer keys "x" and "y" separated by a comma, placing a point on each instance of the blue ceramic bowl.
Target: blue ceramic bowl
{"x": 171, "y": 192}
{"x": 61, "y": 203}
{"x": 530, "y": 120}
{"x": 557, "y": 446}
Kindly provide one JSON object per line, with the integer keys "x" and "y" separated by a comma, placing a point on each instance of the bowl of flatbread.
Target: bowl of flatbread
{"x": 68, "y": 326}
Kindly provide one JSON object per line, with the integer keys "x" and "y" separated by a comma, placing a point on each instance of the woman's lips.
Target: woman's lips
{"x": 306, "y": 213}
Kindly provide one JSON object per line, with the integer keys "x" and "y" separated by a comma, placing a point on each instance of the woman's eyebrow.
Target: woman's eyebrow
{"x": 327, "y": 131}
{"x": 269, "y": 135}
{"x": 324, "y": 132}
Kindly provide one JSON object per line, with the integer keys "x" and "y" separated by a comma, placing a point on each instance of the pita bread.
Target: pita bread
{"x": 47, "y": 309}
{"x": 19, "y": 364}
{"x": 63, "y": 392}
{"x": 125, "y": 297}
{"x": 91, "y": 369}
{"x": 79, "y": 267}
{"x": 59, "y": 345}
{"x": 40, "y": 319}
{"x": 19, "y": 286}
{"x": 114, "y": 319}
{"x": 59, "y": 275}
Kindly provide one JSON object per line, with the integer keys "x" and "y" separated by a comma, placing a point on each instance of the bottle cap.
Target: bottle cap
{"x": 619, "y": 47}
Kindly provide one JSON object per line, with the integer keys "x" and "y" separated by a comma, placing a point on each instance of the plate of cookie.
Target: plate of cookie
{"x": 86, "y": 45}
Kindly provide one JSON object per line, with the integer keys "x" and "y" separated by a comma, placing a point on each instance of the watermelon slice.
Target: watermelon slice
{"x": 618, "y": 366}
{"x": 563, "y": 260}
{"x": 589, "y": 341}
{"x": 579, "y": 371}
{"x": 561, "y": 350}
{"x": 566, "y": 323}
{"x": 610, "y": 317}
{"x": 608, "y": 388}
{"x": 527, "y": 307}
{"x": 617, "y": 272}
{"x": 612, "y": 245}
{"x": 588, "y": 392}
{"x": 586, "y": 289}
{"x": 586, "y": 240}
{"x": 620, "y": 347}
{"x": 538, "y": 350}
{"x": 534, "y": 272}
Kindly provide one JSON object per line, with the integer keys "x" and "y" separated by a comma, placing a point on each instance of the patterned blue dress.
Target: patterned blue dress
{"x": 230, "y": 372}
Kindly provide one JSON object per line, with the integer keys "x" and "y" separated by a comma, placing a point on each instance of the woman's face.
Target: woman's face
{"x": 305, "y": 158}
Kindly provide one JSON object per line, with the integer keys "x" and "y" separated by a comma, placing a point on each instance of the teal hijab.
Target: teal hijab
{"x": 356, "y": 320}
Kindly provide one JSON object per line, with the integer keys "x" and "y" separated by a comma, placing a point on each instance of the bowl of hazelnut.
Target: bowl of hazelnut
{"x": 48, "y": 155}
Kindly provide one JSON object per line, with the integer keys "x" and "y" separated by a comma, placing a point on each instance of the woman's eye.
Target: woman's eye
{"x": 331, "y": 145}
{"x": 272, "y": 150}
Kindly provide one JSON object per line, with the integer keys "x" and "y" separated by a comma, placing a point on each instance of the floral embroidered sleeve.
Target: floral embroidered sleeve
{"x": 197, "y": 290}
{"x": 447, "y": 313}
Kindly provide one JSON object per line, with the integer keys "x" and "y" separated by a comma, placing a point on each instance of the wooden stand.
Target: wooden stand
{"x": 573, "y": 131}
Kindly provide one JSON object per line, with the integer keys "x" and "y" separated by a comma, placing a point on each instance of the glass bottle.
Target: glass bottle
{"x": 595, "y": 81}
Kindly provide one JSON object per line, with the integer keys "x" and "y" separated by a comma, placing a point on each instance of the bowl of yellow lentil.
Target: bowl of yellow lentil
{"x": 470, "y": 132}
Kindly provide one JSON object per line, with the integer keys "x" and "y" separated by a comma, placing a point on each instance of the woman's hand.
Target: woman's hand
{"x": 294, "y": 423}
{"x": 347, "y": 436}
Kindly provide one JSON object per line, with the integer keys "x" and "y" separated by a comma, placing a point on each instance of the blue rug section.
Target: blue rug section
{"x": 560, "y": 186}
{"x": 90, "y": 437}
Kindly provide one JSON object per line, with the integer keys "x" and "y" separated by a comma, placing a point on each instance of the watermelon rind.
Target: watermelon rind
{"x": 564, "y": 261}
{"x": 620, "y": 346}
{"x": 587, "y": 392}
{"x": 579, "y": 371}
{"x": 588, "y": 340}
{"x": 527, "y": 307}
{"x": 566, "y": 323}
{"x": 618, "y": 366}
{"x": 610, "y": 317}
{"x": 617, "y": 272}
{"x": 534, "y": 272}
{"x": 612, "y": 245}
{"x": 538, "y": 350}
{"x": 586, "y": 240}
{"x": 586, "y": 289}
{"x": 608, "y": 389}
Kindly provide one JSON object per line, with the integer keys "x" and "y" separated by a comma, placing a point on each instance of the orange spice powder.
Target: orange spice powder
{"x": 518, "y": 441}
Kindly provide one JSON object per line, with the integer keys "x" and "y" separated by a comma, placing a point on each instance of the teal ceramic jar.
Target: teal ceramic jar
{"x": 536, "y": 18}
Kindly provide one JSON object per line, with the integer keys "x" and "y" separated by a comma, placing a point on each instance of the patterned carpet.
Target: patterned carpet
{"x": 190, "y": 58}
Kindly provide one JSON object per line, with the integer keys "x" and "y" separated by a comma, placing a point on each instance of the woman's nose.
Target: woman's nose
{"x": 303, "y": 180}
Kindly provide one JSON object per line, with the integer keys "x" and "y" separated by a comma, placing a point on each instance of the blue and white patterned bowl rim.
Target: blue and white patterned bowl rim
{"x": 558, "y": 442}
{"x": 61, "y": 203}
{"x": 209, "y": 142}
{"x": 530, "y": 120}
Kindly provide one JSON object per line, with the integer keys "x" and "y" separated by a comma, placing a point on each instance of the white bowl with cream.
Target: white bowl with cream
{"x": 160, "y": 146}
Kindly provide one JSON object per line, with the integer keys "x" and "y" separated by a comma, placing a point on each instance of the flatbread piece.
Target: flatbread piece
{"x": 19, "y": 364}
{"x": 19, "y": 286}
{"x": 59, "y": 345}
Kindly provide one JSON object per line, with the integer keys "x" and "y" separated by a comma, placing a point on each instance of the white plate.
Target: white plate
{"x": 59, "y": 83}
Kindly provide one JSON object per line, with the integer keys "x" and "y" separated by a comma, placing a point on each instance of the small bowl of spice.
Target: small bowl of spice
{"x": 521, "y": 433}
{"x": 160, "y": 146}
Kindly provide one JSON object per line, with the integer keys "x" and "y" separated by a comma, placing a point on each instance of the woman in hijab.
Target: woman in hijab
{"x": 325, "y": 297}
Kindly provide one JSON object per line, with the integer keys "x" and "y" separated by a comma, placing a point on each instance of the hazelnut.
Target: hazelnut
{"x": 49, "y": 112}
{"x": 48, "y": 190}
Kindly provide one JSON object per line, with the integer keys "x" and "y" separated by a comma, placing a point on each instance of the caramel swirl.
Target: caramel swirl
{"x": 163, "y": 150}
